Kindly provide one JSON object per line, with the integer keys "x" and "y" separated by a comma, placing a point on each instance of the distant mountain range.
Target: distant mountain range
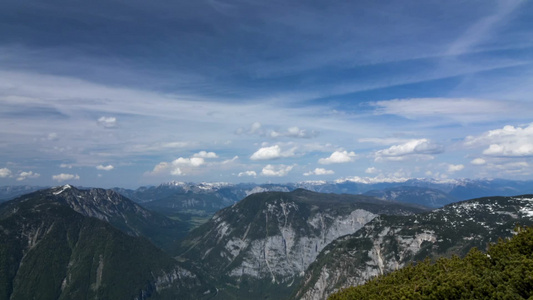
{"x": 72, "y": 243}
{"x": 204, "y": 199}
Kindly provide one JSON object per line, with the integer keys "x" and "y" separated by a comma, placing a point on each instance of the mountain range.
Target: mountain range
{"x": 67, "y": 242}
{"x": 261, "y": 245}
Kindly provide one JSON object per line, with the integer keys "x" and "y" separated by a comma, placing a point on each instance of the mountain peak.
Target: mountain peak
{"x": 61, "y": 189}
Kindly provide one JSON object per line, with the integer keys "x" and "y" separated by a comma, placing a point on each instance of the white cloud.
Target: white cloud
{"x": 105, "y": 168}
{"x": 455, "y": 168}
{"x": 509, "y": 141}
{"x": 26, "y": 175}
{"x": 205, "y": 154}
{"x": 176, "y": 172}
{"x": 371, "y": 170}
{"x": 193, "y": 161}
{"x": 179, "y": 166}
{"x": 319, "y": 171}
{"x": 66, "y": 166}
{"x": 267, "y": 153}
{"x": 279, "y": 171}
{"x": 248, "y": 173}
{"x": 293, "y": 132}
{"x": 107, "y": 122}
{"x": 478, "y": 161}
{"x": 338, "y": 157}
{"x": 160, "y": 168}
{"x": 5, "y": 172}
{"x": 271, "y": 152}
{"x": 421, "y": 147}
{"x": 65, "y": 177}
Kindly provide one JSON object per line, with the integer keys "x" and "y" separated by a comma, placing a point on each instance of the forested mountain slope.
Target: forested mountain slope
{"x": 50, "y": 251}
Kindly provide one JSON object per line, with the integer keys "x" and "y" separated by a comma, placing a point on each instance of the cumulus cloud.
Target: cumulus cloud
{"x": 338, "y": 157}
{"x": 65, "y": 177}
{"x": 25, "y": 175}
{"x": 455, "y": 168}
{"x": 279, "y": 171}
{"x": 193, "y": 161}
{"x": 248, "y": 173}
{"x": 371, "y": 170}
{"x": 5, "y": 172}
{"x": 105, "y": 168}
{"x": 107, "y": 122}
{"x": 160, "y": 168}
{"x": 176, "y": 171}
{"x": 319, "y": 171}
{"x": 205, "y": 154}
{"x": 420, "y": 147}
{"x": 271, "y": 152}
{"x": 509, "y": 141}
{"x": 478, "y": 161}
{"x": 177, "y": 167}
{"x": 267, "y": 153}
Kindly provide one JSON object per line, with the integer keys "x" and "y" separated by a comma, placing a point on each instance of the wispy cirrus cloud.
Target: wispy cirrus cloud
{"x": 460, "y": 109}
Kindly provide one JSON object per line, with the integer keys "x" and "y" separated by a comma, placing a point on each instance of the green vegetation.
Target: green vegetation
{"x": 504, "y": 272}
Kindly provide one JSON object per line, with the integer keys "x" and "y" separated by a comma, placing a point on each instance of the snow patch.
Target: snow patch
{"x": 63, "y": 188}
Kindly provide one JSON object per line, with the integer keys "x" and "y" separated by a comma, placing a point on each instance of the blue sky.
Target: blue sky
{"x": 129, "y": 93}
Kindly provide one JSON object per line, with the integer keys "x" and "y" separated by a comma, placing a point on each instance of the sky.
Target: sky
{"x": 131, "y": 93}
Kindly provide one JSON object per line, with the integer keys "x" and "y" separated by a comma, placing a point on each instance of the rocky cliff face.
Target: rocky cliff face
{"x": 389, "y": 242}
{"x": 267, "y": 241}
